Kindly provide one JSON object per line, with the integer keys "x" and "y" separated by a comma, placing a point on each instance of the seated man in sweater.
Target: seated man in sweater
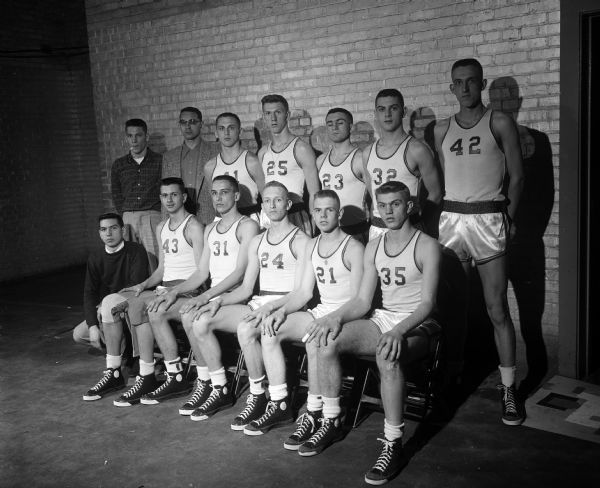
{"x": 118, "y": 265}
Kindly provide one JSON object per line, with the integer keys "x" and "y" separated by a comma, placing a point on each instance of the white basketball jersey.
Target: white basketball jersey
{"x": 474, "y": 165}
{"x": 332, "y": 274}
{"x": 179, "y": 263}
{"x": 347, "y": 185}
{"x": 283, "y": 167}
{"x": 224, "y": 249}
{"x": 277, "y": 263}
{"x": 400, "y": 276}
{"x": 239, "y": 170}
{"x": 392, "y": 168}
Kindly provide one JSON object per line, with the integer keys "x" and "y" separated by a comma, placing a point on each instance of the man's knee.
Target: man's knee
{"x": 498, "y": 311}
{"x": 106, "y": 307}
{"x": 81, "y": 334}
{"x": 388, "y": 370}
{"x": 247, "y": 333}
{"x": 201, "y": 326}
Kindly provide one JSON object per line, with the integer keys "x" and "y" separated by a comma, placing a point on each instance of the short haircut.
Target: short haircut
{"x": 276, "y": 184}
{"x": 229, "y": 114}
{"x": 274, "y": 98}
{"x": 341, "y": 110}
{"x": 137, "y": 123}
{"x": 232, "y": 181}
{"x": 390, "y": 92}
{"x": 193, "y": 110}
{"x": 468, "y": 62}
{"x": 327, "y": 193}
{"x": 111, "y": 215}
{"x": 394, "y": 187}
{"x": 173, "y": 181}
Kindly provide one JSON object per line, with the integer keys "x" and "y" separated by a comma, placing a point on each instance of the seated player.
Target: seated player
{"x": 341, "y": 169}
{"x": 121, "y": 263}
{"x": 406, "y": 261}
{"x": 242, "y": 164}
{"x": 272, "y": 258}
{"x": 333, "y": 261}
{"x": 224, "y": 258}
{"x": 180, "y": 239}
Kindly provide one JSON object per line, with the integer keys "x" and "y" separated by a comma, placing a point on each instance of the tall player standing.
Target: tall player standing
{"x": 233, "y": 160}
{"x": 478, "y": 149}
{"x": 341, "y": 170}
{"x": 397, "y": 156}
{"x": 289, "y": 160}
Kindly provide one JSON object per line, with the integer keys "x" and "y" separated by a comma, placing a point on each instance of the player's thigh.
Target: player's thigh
{"x": 494, "y": 280}
{"x": 228, "y": 318}
{"x": 294, "y": 327}
{"x": 172, "y": 313}
{"x": 415, "y": 346}
{"x": 359, "y": 337}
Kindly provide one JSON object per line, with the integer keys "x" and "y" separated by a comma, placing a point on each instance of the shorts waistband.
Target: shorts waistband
{"x": 491, "y": 206}
{"x": 263, "y": 293}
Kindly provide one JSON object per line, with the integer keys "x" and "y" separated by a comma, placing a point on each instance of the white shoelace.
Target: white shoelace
{"x": 271, "y": 407}
{"x": 510, "y": 404}
{"x": 251, "y": 400}
{"x": 102, "y": 381}
{"x": 306, "y": 423}
{"x": 199, "y": 389}
{"x": 135, "y": 388}
{"x": 386, "y": 455}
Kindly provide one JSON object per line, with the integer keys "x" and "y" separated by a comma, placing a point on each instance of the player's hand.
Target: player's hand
{"x": 256, "y": 317}
{"x": 323, "y": 329}
{"x": 211, "y": 308}
{"x": 137, "y": 289}
{"x": 96, "y": 336}
{"x": 277, "y": 318}
{"x": 193, "y": 304}
{"x": 389, "y": 345}
{"x": 166, "y": 299}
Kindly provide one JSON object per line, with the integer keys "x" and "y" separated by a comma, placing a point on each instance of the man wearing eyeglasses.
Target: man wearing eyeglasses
{"x": 187, "y": 162}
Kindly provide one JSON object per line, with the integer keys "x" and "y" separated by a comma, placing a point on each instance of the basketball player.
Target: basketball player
{"x": 289, "y": 160}
{"x": 334, "y": 261}
{"x": 406, "y": 261}
{"x": 272, "y": 258}
{"x": 242, "y": 164}
{"x": 396, "y": 156}
{"x": 119, "y": 264}
{"x": 180, "y": 238}
{"x": 341, "y": 169}
{"x": 224, "y": 258}
{"x": 478, "y": 149}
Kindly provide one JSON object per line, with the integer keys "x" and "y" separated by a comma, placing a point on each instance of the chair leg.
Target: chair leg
{"x": 188, "y": 366}
{"x": 235, "y": 383}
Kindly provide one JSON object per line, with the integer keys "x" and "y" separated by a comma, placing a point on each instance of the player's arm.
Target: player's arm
{"x": 422, "y": 156}
{"x": 256, "y": 171}
{"x": 428, "y": 258}
{"x": 329, "y": 327}
{"x": 115, "y": 189}
{"x": 157, "y": 276}
{"x": 209, "y": 170}
{"x": 246, "y": 231}
{"x": 505, "y": 129}
{"x": 306, "y": 159}
{"x": 320, "y": 161}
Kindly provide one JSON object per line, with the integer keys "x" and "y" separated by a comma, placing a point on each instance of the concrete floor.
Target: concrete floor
{"x": 49, "y": 437}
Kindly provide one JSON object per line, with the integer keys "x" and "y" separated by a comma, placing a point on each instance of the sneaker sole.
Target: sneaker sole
{"x": 377, "y": 482}
{"x": 205, "y": 416}
{"x": 92, "y": 398}
{"x": 513, "y": 422}
{"x": 198, "y": 417}
{"x": 186, "y": 412}
{"x": 267, "y": 429}
{"x": 237, "y": 428}
{"x": 148, "y": 401}
{"x": 314, "y": 452}
{"x": 117, "y": 403}
{"x": 291, "y": 447}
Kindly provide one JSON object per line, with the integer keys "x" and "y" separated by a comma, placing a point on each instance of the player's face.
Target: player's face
{"x": 389, "y": 113}
{"x": 224, "y": 196}
{"x": 228, "y": 131}
{"x": 275, "y": 117}
{"x": 326, "y": 213}
{"x": 172, "y": 198}
{"x": 137, "y": 140}
{"x": 467, "y": 86}
{"x": 275, "y": 203}
{"x": 338, "y": 127}
{"x": 394, "y": 209}
{"x": 190, "y": 125}
{"x": 111, "y": 232}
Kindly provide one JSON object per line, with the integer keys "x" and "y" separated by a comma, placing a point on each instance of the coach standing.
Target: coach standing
{"x": 135, "y": 186}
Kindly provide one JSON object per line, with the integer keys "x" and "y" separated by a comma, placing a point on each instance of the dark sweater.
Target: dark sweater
{"x": 110, "y": 273}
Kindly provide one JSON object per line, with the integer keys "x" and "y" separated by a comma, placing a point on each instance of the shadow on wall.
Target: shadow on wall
{"x": 526, "y": 255}
{"x": 157, "y": 143}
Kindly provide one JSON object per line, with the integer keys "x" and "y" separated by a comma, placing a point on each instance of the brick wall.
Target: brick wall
{"x": 150, "y": 58}
{"x": 50, "y": 171}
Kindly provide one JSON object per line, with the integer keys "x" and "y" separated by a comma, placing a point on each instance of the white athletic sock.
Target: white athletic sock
{"x": 331, "y": 407}
{"x": 113, "y": 362}
{"x": 256, "y": 385}
{"x": 314, "y": 403}
{"x": 507, "y": 375}
{"x": 203, "y": 373}
{"x": 174, "y": 366}
{"x": 146, "y": 368}
{"x": 278, "y": 392}
{"x": 218, "y": 377}
{"x": 392, "y": 432}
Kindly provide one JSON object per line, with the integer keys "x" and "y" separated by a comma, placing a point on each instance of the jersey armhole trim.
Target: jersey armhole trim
{"x": 351, "y": 157}
{"x": 185, "y": 226}
{"x": 237, "y": 228}
{"x": 418, "y": 234}
{"x": 295, "y": 233}
{"x": 294, "y": 143}
{"x": 416, "y": 174}
{"x": 446, "y": 133}
{"x": 496, "y": 139}
{"x": 344, "y": 252}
